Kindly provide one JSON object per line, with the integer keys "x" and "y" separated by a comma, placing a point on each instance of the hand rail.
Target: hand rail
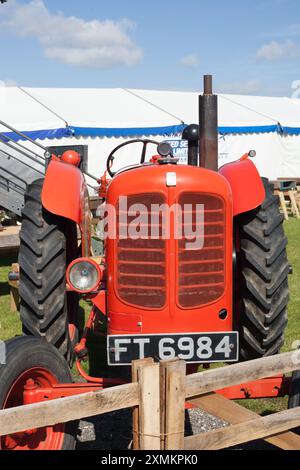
{"x": 11, "y": 143}
{"x": 24, "y": 136}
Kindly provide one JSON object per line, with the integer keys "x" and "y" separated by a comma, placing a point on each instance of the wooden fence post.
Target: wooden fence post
{"x": 149, "y": 408}
{"x": 136, "y": 410}
{"x": 172, "y": 391}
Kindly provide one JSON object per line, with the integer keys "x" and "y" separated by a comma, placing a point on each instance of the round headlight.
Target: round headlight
{"x": 84, "y": 275}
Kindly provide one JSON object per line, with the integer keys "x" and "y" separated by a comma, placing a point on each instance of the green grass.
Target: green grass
{"x": 10, "y": 324}
{"x": 292, "y": 229}
{"x": 9, "y": 321}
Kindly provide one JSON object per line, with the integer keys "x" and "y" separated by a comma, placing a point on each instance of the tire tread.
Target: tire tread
{"x": 263, "y": 276}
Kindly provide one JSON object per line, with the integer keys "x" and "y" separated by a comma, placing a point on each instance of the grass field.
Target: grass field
{"x": 10, "y": 324}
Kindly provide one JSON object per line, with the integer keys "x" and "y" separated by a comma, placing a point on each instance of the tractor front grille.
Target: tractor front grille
{"x": 201, "y": 272}
{"x": 141, "y": 263}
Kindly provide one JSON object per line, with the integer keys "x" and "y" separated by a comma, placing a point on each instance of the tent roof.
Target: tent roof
{"x": 123, "y": 112}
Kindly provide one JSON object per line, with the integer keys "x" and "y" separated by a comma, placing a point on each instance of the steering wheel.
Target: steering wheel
{"x": 111, "y": 157}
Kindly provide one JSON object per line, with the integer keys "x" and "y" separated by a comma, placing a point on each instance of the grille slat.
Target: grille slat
{"x": 183, "y": 263}
{"x": 206, "y": 281}
{"x": 142, "y": 250}
{"x": 213, "y": 273}
{"x": 142, "y": 288}
{"x": 205, "y": 249}
{"x": 196, "y": 286}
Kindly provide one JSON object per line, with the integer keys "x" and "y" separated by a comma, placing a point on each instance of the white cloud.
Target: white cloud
{"x": 277, "y": 51}
{"x": 72, "y": 40}
{"x": 190, "y": 60}
{"x": 249, "y": 87}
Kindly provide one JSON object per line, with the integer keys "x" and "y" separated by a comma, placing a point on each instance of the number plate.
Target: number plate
{"x": 194, "y": 348}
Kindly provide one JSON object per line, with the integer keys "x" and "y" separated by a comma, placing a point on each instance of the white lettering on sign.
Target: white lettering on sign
{"x": 224, "y": 347}
{"x": 142, "y": 342}
{"x": 187, "y": 345}
{"x": 164, "y": 349}
{"x": 204, "y": 348}
{"x": 180, "y": 149}
{"x": 219, "y": 347}
{"x": 119, "y": 349}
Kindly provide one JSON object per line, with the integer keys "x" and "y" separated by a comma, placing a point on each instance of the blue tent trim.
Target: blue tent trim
{"x": 127, "y": 132}
{"x": 142, "y": 131}
{"x": 278, "y": 128}
{"x": 249, "y": 129}
{"x": 97, "y": 132}
{"x": 291, "y": 130}
{"x": 42, "y": 134}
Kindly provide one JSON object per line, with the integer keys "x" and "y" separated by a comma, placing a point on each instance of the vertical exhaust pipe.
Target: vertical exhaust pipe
{"x": 208, "y": 126}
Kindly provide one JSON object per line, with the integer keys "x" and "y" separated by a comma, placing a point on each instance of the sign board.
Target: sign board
{"x": 180, "y": 149}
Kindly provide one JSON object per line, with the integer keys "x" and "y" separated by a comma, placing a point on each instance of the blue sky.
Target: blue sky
{"x": 251, "y": 47}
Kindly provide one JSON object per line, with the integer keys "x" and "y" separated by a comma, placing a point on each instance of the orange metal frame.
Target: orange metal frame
{"x": 266, "y": 388}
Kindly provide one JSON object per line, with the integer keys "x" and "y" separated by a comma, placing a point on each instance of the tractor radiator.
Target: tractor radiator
{"x": 201, "y": 272}
{"x": 142, "y": 262}
{"x": 141, "y": 273}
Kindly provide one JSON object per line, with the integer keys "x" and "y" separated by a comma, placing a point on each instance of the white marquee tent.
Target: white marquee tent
{"x": 104, "y": 118}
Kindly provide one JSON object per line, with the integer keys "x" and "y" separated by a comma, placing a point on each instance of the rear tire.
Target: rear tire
{"x": 48, "y": 244}
{"x": 262, "y": 292}
{"x": 28, "y": 357}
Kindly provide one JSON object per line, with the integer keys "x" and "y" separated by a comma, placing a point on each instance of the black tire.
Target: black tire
{"x": 262, "y": 293}
{"x": 27, "y": 353}
{"x": 48, "y": 244}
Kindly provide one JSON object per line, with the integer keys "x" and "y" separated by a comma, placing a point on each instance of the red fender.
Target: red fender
{"x": 64, "y": 191}
{"x": 247, "y": 188}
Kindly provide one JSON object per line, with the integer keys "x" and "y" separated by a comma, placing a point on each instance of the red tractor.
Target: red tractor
{"x": 195, "y": 267}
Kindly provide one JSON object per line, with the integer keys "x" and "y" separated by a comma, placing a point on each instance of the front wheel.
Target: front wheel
{"x": 262, "y": 270}
{"x": 31, "y": 358}
{"x": 48, "y": 244}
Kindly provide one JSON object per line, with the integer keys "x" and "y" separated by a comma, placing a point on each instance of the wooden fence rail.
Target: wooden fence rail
{"x": 217, "y": 379}
{"x": 246, "y": 425}
{"x": 63, "y": 410}
{"x": 259, "y": 428}
{"x": 157, "y": 396}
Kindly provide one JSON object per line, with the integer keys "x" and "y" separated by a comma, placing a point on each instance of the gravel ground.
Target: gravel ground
{"x": 114, "y": 431}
